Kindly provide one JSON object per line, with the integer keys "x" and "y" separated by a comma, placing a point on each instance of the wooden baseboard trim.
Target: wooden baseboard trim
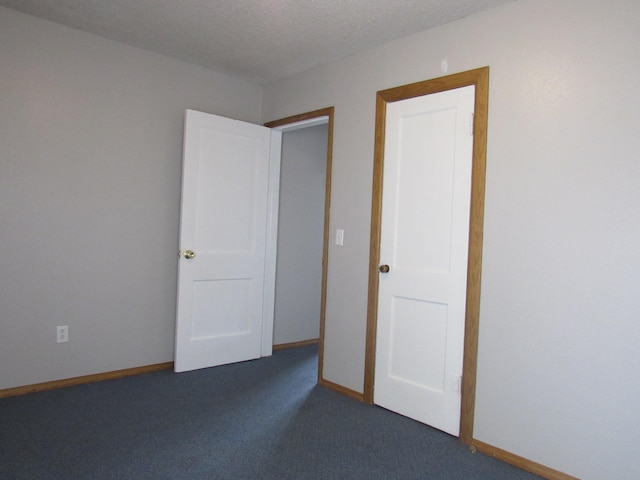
{"x": 521, "y": 462}
{"x": 340, "y": 389}
{"x": 304, "y": 343}
{"x": 97, "y": 377}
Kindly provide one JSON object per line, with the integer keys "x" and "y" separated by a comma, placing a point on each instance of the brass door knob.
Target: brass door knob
{"x": 384, "y": 268}
{"x": 188, "y": 254}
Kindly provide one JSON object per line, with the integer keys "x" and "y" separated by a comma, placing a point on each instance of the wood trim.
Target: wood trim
{"x": 304, "y": 343}
{"x": 340, "y": 389}
{"x": 474, "y": 266}
{"x": 435, "y": 85}
{"x": 374, "y": 248}
{"x": 480, "y": 78}
{"x": 96, "y": 377}
{"x": 521, "y": 462}
{"x": 330, "y": 113}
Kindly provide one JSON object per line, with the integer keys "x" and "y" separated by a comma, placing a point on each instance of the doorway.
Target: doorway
{"x": 479, "y": 80}
{"x": 303, "y": 232}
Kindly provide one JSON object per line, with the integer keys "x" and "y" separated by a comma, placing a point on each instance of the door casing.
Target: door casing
{"x": 480, "y": 78}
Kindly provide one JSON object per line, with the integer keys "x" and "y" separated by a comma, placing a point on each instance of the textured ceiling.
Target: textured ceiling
{"x": 259, "y": 40}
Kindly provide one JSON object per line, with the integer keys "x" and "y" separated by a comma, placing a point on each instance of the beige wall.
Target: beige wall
{"x": 90, "y": 167}
{"x": 558, "y": 356}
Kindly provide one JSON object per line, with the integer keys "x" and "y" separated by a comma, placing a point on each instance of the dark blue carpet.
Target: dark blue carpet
{"x": 264, "y": 419}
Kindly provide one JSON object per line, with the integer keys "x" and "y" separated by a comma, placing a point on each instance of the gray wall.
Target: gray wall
{"x": 300, "y": 235}
{"x": 558, "y": 363}
{"x": 90, "y": 167}
{"x": 91, "y": 138}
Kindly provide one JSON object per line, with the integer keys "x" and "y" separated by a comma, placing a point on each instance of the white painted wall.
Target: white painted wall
{"x": 300, "y": 235}
{"x": 90, "y": 167}
{"x": 558, "y": 363}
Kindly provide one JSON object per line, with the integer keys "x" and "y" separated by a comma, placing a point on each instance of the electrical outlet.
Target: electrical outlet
{"x": 62, "y": 333}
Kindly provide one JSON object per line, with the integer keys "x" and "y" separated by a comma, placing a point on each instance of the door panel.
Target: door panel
{"x": 229, "y": 180}
{"x": 224, "y": 292}
{"x": 221, "y": 308}
{"x": 424, "y": 240}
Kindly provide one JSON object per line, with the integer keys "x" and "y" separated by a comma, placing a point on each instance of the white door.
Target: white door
{"x": 424, "y": 242}
{"x": 226, "y": 272}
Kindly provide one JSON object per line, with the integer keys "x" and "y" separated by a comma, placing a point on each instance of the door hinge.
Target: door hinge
{"x": 457, "y": 384}
{"x": 471, "y": 122}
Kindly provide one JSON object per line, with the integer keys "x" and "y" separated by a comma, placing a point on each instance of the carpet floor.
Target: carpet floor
{"x": 263, "y": 419}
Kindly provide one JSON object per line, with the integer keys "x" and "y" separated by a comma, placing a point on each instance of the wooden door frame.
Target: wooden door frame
{"x": 480, "y": 79}
{"x": 307, "y": 120}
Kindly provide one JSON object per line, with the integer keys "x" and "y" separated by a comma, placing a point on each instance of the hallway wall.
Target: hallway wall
{"x": 300, "y": 235}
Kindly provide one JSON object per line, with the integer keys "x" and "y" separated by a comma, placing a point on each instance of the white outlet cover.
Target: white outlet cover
{"x": 62, "y": 333}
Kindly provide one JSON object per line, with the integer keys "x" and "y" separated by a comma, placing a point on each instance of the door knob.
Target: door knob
{"x": 384, "y": 268}
{"x": 188, "y": 254}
